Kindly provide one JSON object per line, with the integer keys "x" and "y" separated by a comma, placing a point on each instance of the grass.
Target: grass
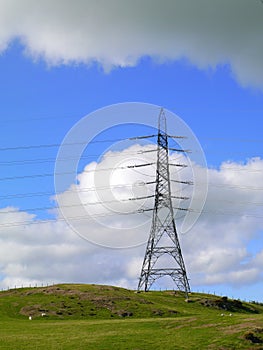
{"x": 105, "y": 317}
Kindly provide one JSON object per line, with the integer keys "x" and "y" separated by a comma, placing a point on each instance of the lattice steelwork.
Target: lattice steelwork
{"x": 163, "y": 225}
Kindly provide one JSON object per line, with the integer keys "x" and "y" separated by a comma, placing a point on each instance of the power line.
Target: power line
{"x": 82, "y": 190}
{"x": 52, "y": 145}
{"x": 140, "y": 211}
{"x": 235, "y": 186}
{"x": 21, "y": 195}
{"x": 201, "y": 137}
{"x": 84, "y": 204}
{"x": 70, "y": 172}
{"x": 213, "y": 212}
{"x": 94, "y": 189}
{"x": 98, "y": 188}
{"x": 73, "y": 218}
{"x": 106, "y": 169}
{"x": 74, "y": 205}
{"x": 46, "y": 160}
{"x": 232, "y": 139}
{"x": 241, "y": 169}
{"x": 237, "y": 202}
{"x": 74, "y": 116}
{"x": 38, "y": 118}
{"x": 52, "y": 160}
{"x": 227, "y": 213}
{"x": 217, "y": 212}
{"x": 73, "y": 143}
{"x": 48, "y": 221}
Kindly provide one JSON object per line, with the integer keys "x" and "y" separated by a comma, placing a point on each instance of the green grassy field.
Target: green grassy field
{"x": 105, "y": 317}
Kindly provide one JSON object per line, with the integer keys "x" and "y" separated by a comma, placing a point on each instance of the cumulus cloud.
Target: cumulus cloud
{"x": 218, "y": 250}
{"x": 108, "y": 190}
{"x": 218, "y": 246}
{"x": 120, "y": 32}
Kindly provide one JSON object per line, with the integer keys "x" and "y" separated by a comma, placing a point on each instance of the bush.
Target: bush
{"x": 251, "y": 336}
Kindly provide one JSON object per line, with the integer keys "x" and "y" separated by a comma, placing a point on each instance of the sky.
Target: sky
{"x": 69, "y": 70}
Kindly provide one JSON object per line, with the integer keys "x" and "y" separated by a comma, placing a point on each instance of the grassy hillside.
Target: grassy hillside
{"x": 105, "y": 317}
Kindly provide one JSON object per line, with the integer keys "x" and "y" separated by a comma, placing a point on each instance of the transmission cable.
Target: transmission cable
{"x": 77, "y": 205}
{"x": 77, "y": 218}
{"x": 74, "y": 143}
{"x": 53, "y": 160}
{"x": 70, "y": 172}
{"x": 73, "y": 218}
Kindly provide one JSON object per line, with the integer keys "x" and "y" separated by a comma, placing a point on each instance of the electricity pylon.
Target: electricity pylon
{"x": 163, "y": 227}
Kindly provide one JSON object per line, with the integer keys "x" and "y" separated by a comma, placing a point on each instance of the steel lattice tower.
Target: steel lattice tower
{"x": 163, "y": 225}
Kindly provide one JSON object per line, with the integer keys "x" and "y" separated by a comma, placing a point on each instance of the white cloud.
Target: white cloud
{"x": 120, "y": 32}
{"x": 219, "y": 247}
{"x": 246, "y": 276}
{"x": 217, "y": 250}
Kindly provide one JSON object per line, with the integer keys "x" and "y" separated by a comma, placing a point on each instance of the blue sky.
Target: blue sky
{"x": 34, "y": 96}
{"x": 213, "y": 84}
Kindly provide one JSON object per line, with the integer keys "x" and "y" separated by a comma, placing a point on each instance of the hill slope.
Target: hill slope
{"x": 106, "y": 317}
